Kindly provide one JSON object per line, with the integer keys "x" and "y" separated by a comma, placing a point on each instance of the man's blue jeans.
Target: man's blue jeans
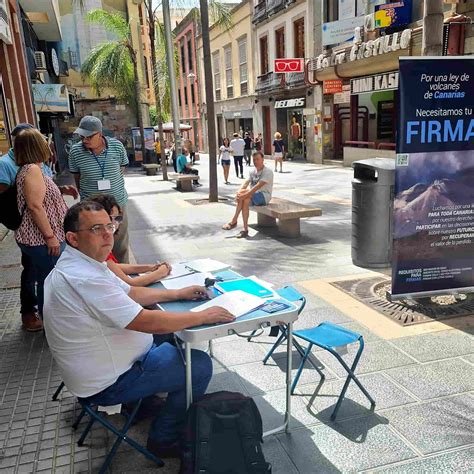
{"x": 42, "y": 264}
{"x": 160, "y": 370}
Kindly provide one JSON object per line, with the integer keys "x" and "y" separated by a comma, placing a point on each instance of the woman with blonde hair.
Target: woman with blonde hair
{"x": 41, "y": 205}
{"x": 279, "y": 150}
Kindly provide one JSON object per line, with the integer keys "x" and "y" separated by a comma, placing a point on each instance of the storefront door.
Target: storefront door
{"x": 4, "y": 125}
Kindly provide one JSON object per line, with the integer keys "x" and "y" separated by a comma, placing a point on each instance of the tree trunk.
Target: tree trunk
{"x": 138, "y": 93}
{"x": 433, "y": 19}
{"x": 211, "y": 117}
{"x": 156, "y": 88}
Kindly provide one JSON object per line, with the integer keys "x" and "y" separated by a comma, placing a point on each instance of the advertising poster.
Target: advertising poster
{"x": 393, "y": 14}
{"x": 433, "y": 246}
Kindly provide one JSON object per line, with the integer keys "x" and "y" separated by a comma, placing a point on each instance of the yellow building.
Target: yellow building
{"x": 234, "y": 73}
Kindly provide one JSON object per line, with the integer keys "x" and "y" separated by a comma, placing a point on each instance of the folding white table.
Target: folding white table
{"x": 255, "y": 320}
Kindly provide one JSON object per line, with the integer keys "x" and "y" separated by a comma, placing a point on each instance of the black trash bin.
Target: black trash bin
{"x": 373, "y": 190}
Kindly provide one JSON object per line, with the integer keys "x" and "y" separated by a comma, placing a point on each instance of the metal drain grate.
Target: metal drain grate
{"x": 405, "y": 313}
{"x": 10, "y": 276}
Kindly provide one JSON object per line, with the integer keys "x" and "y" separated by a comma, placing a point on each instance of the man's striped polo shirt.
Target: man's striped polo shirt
{"x": 104, "y": 166}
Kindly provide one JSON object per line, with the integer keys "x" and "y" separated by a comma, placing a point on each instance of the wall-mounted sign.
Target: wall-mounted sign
{"x": 375, "y": 83}
{"x": 347, "y": 9}
{"x": 288, "y": 65}
{"x": 343, "y": 97}
{"x": 332, "y": 86}
{"x": 393, "y": 14}
{"x": 336, "y": 32}
{"x": 286, "y": 104}
{"x": 51, "y": 98}
{"x": 5, "y": 31}
{"x": 383, "y": 45}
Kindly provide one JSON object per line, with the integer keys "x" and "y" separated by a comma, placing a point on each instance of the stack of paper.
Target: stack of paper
{"x": 207, "y": 265}
{"x": 236, "y": 302}
{"x": 178, "y": 270}
{"x": 185, "y": 281}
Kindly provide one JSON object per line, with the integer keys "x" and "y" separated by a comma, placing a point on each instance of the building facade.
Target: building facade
{"x": 16, "y": 100}
{"x": 284, "y": 29}
{"x": 233, "y": 65}
{"x": 189, "y": 93}
{"x": 356, "y": 74}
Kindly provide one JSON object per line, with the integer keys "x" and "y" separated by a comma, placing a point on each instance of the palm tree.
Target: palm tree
{"x": 114, "y": 65}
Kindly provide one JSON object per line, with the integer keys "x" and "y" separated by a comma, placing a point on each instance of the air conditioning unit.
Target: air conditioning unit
{"x": 40, "y": 61}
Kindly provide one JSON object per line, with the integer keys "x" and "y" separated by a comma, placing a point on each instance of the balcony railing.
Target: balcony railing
{"x": 294, "y": 79}
{"x": 274, "y": 6}
{"x": 267, "y": 82}
{"x": 260, "y": 12}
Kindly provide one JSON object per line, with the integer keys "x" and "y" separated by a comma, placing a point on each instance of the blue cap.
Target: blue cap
{"x": 20, "y": 127}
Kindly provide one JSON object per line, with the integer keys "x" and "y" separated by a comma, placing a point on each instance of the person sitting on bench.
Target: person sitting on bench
{"x": 184, "y": 167}
{"x": 259, "y": 193}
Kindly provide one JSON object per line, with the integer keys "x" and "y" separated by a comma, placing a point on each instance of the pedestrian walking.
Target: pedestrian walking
{"x": 224, "y": 158}
{"x": 248, "y": 148}
{"x": 279, "y": 150}
{"x": 8, "y": 172}
{"x": 258, "y": 142}
{"x": 98, "y": 164}
{"x": 41, "y": 234}
{"x": 237, "y": 144}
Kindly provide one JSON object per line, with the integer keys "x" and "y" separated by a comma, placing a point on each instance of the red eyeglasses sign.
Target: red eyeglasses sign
{"x": 289, "y": 65}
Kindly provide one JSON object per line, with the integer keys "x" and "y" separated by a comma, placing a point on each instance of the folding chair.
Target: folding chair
{"x": 95, "y": 415}
{"x": 329, "y": 336}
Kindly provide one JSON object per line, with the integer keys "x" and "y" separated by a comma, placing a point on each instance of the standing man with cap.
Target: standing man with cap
{"x": 97, "y": 164}
{"x": 8, "y": 171}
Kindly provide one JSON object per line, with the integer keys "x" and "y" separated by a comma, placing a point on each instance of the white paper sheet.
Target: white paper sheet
{"x": 178, "y": 270}
{"x": 185, "y": 281}
{"x": 236, "y": 302}
{"x": 207, "y": 265}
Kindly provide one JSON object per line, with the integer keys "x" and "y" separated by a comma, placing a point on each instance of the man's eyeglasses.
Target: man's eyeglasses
{"x": 117, "y": 219}
{"x": 90, "y": 137}
{"x": 100, "y": 229}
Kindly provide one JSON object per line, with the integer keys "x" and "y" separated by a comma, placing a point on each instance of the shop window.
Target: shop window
{"x": 280, "y": 43}
{"x": 217, "y": 74}
{"x": 263, "y": 55}
{"x": 298, "y": 26}
{"x": 243, "y": 72}
{"x": 228, "y": 71}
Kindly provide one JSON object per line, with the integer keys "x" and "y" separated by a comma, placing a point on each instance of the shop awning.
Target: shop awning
{"x": 52, "y": 98}
{"x": 237, "y": 114}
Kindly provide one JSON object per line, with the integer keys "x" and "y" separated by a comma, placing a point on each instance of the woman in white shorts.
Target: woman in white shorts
{"x": 279, "y": 150}
{"x": 224, "y": 157}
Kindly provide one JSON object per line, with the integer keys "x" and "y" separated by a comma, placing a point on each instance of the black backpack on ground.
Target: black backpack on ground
{"x": 10, "y": 216}
{"x": 223, "y": 435}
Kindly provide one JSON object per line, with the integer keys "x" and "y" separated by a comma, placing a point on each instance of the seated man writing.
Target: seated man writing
{"x": 259, "y": 193}
{"x": 101, "y": 337}
{"x": 184, "y": 167}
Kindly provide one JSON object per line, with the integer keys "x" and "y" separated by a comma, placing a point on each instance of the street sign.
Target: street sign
{"x": 332, "y": 86}
{"x": 288, "y": 65}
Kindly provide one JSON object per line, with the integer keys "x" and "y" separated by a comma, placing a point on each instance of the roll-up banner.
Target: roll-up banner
{"x": 433, "y": 246}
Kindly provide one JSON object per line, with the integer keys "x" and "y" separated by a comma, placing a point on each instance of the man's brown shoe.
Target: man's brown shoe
{"x": 31, "y": 322}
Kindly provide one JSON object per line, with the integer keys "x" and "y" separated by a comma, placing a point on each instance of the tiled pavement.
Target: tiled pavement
{"x": 423, "y": 384}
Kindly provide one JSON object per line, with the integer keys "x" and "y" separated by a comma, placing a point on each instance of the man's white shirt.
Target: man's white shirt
{"x": 238, "y": 145}
{"x": 86, "y": 310}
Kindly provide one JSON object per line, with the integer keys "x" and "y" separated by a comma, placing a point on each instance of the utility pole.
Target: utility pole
{"x": 433, "y": 20}
{"x": 211, "y": 116}
{"x": 172, "y": 75}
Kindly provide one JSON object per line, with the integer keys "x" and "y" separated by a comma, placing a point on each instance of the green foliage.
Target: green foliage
{"x": 110, "y": 65}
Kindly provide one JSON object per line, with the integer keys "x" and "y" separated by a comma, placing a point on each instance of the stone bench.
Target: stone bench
{"x": 184, "y": 182}
{"x": 151, "y": 169}
{"x": 288, "y": 214}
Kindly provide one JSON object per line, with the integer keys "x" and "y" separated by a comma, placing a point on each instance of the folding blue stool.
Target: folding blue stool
{"x": 95, "y": 415}
{"x": 329, "y": 336}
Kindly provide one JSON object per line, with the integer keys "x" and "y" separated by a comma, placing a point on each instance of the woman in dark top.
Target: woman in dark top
{"x": 279, "y": 150}
{"x": 248, "y": 148}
